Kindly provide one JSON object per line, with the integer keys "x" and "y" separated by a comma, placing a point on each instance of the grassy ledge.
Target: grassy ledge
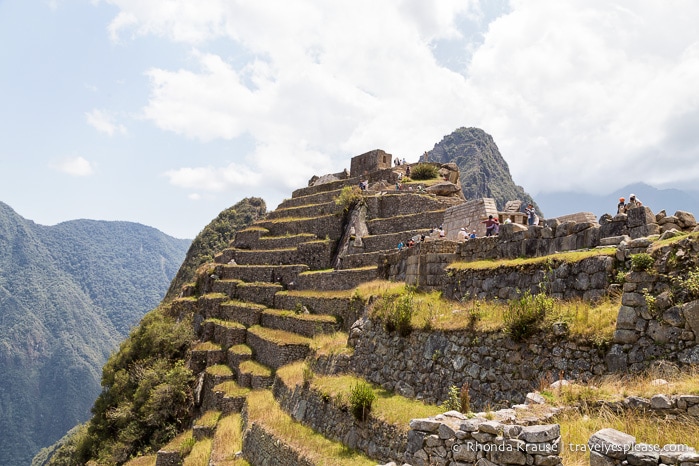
{"x": 220, "y": 370}
{"x": 569, "y": 257}
{"x": 279, "y": 337}
{"x": 255, "y": 368}
{"x": 330, "y": 344}
{"x": 228, "y": 441}
{"x": 264, "y": 410}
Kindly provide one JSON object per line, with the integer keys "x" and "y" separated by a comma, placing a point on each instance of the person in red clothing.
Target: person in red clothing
{"x": 492, "y": 226}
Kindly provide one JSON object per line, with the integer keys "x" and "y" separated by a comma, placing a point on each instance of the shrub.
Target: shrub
{"x": 687, "y": 288}
{"x": 642, "y": 261}
{"x": 399, "y": 315}
{"x": 349, "y": 197}
{"x": 362, "y": 396}
{"x": 424, "y": 172}
{"x": 453, "y": 401}
{"x": 524, "y": 315}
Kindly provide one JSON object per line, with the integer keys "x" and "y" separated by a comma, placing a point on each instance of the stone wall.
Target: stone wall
{"x": 274, "y": 355}
{"x": 397, "y": 203}
{"x": 336, "y": 279}
{"x": 369, "y": 162}
{"x": 658, "y": 318}
{"x": 375, "y": 438}
{"x": 499, "y": 371}
{"x": 347, "y": 310}
{"x": 451, "y": 438}
{"x": 262, "y": 447}
{"x": 469, "y": 215}
{"x": 329, "y": 226}
{"x": 587, "y": 279}
{"x": 405, "y": 222}
{"x": 610, "y": 447}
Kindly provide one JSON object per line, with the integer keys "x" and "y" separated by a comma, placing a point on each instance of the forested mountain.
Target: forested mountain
{"x": 69, "y": 294}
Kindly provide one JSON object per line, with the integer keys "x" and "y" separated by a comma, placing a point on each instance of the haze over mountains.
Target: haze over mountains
{"x": 69, "y": 294}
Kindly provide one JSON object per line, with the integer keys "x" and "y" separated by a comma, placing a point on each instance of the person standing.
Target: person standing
{"x": 531, "y": 214}
{"x": 491, "y": 226}
{"x": 621, "y": 206}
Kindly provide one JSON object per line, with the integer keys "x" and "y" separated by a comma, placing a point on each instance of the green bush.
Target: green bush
{"x": 400, "y": 314}
{"x": 523, "y": 316}
{"x": 362, "y": 397}
{"x": 349, "y": 197}
{"x": 642, "y": 262}
{"x": 424, "y": 172}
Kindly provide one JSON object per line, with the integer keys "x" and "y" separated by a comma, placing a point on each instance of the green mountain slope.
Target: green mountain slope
{"x": 483, "y": 170}
{"x": 157, "y": 345}
{"x": 68, "y": 294}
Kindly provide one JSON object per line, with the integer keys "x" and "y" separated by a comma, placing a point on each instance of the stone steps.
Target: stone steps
{"x": 306, "y": 210}
{"x": 325, "y": 187}
{"x": 354, "y": 261}
{"x": 399, "y": 203}
{"x": 273, "y": 437}
{"x": 253, "y": 374}
{"x": 329, "y": 226}
{"x": 229, "y": 396}
{"x": 250, "y": 235}
{"x": 244, "y": 313}
{"x": 226, "y": 286}
{"x": 344, "y": 279}
{"x": 284, "y": 242}
{"x": 213, "y": 376}
{"x": 238, "y": 354}
{"x": 316, "y": 254}
{"x": 318, "y": 198}
{"x": 258, "y": 293}
{"x": 308, "y": 325}
{"x": 223, "y": 332}
{"x": 206, "y": 354}
{"x": 346, "y": 309}
{"x": 283, "y": 274}
{"x": 409, "y": 222}
{"x": 275, "y": 348}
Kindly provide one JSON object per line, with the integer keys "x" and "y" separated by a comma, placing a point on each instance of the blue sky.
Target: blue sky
{"x": 165, "y": 112}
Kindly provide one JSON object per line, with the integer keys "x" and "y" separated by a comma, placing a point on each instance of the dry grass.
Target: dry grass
{"x": 225, "y": 323}
{"x": 228, "y": 441}
{"x": 594, "y": 322}
{"x": 263, "y": 409}
{"x": 329, "y": 344}
{"x": 241, "y": 349}
{"x": 570, "y": 257}
{"x": 206, "y": 346}
{"x": 232, "y": 389}
{"x": 181, "y": 443}
{"x": 255, "y": 368}
{"x": 379, "y": 288}
{"x": 208, "y": 419}
{"x": 577, "y": 428}
{"x": 301, "y": 316}
{"x": 221, "y": 370}
{"x": 292, "y": 374}
{"x": 148, "y": 460}
{"x": 200, "y": 454}
{"x": 279, "y": 337}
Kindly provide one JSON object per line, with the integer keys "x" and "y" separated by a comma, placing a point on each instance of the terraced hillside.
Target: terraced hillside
{"x": 293, "y": 335}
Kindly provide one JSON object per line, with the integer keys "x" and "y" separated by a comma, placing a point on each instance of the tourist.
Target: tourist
{"x": 531, "y": 214}
{"x": 491, "y": 226}
{"x": 472, "y": 235}
{"x": 461, "y": 236}
{"x": 633, "y": 202}
{"x": 400, "y": 245}
{"x": 407, "y": 171}
{"x": 621, "y": 206}
{"x": 442, "y": 234}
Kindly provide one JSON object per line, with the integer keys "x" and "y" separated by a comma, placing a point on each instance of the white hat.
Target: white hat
{"x": 463, "y": 229}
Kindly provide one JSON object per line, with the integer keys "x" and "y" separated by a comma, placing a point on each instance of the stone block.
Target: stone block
{"x": 540, "y": 433}
{"x": 611, "y": 442}
{"x": 643, "y": 454}
{"x": 690, "y": 312}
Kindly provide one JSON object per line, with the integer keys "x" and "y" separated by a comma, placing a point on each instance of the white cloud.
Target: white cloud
{"x": 74, "y": 166}
{"x": 104, "y": 123}
{"x": 577, "y": 94}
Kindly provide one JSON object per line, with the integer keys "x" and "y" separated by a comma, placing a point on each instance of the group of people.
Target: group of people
{"x": 623, "y": 207}
{"x": 398, "y": 161}
{"x": 464, "y": 235}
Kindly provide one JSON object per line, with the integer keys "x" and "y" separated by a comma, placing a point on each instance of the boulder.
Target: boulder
{"x": 445, "y": 188}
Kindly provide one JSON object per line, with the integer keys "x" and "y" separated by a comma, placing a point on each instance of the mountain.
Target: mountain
{"x": 483, "y": 170}
{"x": 139, "y": 347}
{"x": 69, "y": 294}
{"x": 670, "y": 200}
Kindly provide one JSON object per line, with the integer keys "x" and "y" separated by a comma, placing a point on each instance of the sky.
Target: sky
{"x": 166, "y": 112}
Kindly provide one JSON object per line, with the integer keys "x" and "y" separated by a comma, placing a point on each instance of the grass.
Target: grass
{"x": 594, "y": 322}
{"x": 181, "y": 443}
{"x": 206, "y": 346}
{"x": 240, "y": 349}
{"x": 225, "y": 323}
{"x": 231, "y": 389}
{"x": 255, "y": 368}
{"x": 681, "y": 235}
{"x": 569, "y": 257}
{"x": 272, "y": 238}
{"x": 329, "y": 344}
{"x": 388, "y": 406}
{"x": 279, "y": 337}
{"x": 228, "y": 441}
{"x": 577, "y": 427}
{"x": 148, "y": 460}
{"x": 295, "y": 219}
{"x": 235, "y": 302}
{"x": 220, "y": 370}
{"x": 200, "y": 454}
{"x": 208, "y": 419}
{"x": 264, "y": 410}
{"x": 301, "y": 316}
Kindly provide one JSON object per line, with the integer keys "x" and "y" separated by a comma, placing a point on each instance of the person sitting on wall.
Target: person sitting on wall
{"x": 621, "y": 206}
{"x": 461, "y": 236}
{"x": 633, "y": 202}
{"x": 411, "y": 243}
{"x": 442, "y": 233}
{"x": 472, "y": 235}
{"x": 400, "y": 245}
{"x": 491, "y": 226}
